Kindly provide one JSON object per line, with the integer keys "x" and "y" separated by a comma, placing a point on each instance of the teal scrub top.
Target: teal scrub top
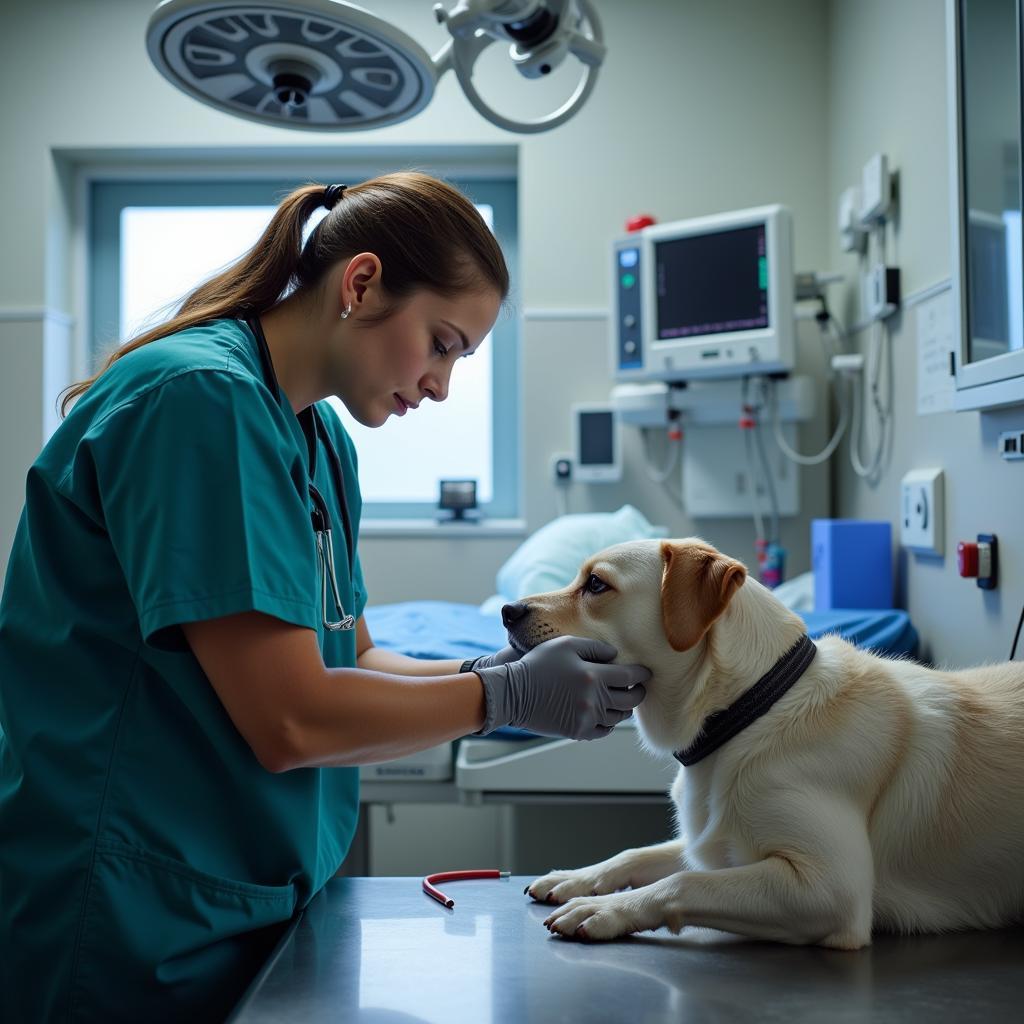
{"x": 147, "y": 860}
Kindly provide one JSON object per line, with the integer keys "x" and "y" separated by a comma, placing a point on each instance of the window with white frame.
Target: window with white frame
{"x": 151, "y": 242}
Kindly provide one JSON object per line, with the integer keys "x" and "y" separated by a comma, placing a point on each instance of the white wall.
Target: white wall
{"x": 887, "y": 83}
{"x": 700, "y": 107}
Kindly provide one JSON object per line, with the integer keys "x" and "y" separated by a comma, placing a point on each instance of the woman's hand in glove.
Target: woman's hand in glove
{"x": 502, "y": 657}
{"x": 563, "y": 687}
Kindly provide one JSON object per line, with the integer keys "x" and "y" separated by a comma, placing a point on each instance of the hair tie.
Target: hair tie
{"x": 332, "y": 195}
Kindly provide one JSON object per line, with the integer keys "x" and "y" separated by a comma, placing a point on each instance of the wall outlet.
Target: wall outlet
{"x": 922, "y": 518}
{"x": 561, "y": 469}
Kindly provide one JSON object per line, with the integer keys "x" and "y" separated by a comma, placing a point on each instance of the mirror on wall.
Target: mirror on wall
{"x": 988, "y": 266}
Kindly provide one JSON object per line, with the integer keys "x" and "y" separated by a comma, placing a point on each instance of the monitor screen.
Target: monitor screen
{"x": 712, "y": 283}
{"x": 458, "y": 494}
{"x": 596, "y": 439}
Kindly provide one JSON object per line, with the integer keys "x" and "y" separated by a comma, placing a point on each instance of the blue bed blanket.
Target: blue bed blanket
{"x": 447, "y": 629}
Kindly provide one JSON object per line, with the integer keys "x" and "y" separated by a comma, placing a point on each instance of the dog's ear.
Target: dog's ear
{"x": 697, "y": 585}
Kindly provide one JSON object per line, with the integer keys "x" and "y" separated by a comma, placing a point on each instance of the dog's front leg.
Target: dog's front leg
{"x": 770, "y": 899}
{"x": 629, "y": 869}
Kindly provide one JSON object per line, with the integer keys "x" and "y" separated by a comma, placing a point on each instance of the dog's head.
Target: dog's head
{"x": 650, "y": 599}
{"x": 654, "y": 601}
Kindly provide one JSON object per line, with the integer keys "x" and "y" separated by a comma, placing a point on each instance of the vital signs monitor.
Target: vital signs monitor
{"x": 708, "y": 297}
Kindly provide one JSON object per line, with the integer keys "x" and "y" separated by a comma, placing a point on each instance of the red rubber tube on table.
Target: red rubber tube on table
{"x": 430, "y": 881}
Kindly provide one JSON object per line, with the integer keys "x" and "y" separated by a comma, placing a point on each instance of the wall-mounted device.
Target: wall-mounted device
{"x": 922, "y": 511}
{"x": 980, "y": 560}
{"x": 597, "y": 447}
{"x": 708, "y": 297}
{"x": 561, "y": 469}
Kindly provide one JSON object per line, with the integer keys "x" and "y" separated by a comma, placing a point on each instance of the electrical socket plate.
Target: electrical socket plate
{"x": 922, "y": 519}
{"x": 561, "y": 469}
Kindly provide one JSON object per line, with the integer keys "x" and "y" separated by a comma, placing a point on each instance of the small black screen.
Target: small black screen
{"x": 458, "y": 494}
{"x": 596, "y": 443}
{"x": 713, "y": 283}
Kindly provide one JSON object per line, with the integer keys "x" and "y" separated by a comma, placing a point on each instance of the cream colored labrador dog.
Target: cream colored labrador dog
{"x": 857, "y": 793}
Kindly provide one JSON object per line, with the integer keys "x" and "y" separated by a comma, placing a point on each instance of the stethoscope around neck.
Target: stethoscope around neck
{"x": 320, "y": 515}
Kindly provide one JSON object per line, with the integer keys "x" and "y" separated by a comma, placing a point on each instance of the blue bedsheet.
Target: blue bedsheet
{"x": 446, "y": 629}
{"x": 884, "y": 632}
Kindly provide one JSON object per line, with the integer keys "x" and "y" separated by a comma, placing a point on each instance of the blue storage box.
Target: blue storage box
{"x": 852, "y": 562}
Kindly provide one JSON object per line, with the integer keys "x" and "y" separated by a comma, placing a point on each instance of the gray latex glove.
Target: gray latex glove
{"x": 502, "y": 657}
{"x": 563, "y": 687}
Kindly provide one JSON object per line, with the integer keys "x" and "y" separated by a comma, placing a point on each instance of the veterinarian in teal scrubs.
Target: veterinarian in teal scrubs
{"x": 186, "y": 682}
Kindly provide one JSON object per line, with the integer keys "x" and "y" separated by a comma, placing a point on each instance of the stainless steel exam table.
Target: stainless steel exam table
{"x": 379, "y": 950}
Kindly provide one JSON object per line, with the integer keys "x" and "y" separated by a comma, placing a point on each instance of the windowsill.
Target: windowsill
{"x": 433, "y": 528}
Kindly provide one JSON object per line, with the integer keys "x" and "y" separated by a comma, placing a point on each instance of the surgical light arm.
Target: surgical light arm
{"x": 542, "y": 35}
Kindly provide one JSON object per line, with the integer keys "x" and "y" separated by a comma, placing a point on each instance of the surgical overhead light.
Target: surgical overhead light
{"x": 328, "y": 65}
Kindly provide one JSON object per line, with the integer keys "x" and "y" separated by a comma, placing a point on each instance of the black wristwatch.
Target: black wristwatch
{"x": 467, "y": 665}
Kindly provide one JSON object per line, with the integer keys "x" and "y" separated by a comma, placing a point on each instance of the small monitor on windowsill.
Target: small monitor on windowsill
{"x": 457, "y": 502}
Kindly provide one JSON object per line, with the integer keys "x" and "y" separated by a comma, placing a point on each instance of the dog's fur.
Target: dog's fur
{"x": 875, "y": 794}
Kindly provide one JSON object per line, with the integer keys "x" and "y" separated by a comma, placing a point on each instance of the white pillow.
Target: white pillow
{"x": 551, "y": 557}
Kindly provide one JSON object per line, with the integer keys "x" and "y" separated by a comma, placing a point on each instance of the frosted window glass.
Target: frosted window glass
{"x": 405, "y": 458}
{"x": 167, "y": 251}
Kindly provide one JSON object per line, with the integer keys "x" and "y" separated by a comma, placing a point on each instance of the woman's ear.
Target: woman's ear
{"x": 697, "y": 585}
{"x": 361, "y": 278}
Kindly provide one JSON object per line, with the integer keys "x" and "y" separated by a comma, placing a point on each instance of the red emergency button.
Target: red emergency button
{"x": 978, "y": 559}
{"x": 967, "y": 558}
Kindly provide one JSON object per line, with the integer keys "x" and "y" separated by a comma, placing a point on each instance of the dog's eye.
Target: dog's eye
{"x": 595, "y": 585}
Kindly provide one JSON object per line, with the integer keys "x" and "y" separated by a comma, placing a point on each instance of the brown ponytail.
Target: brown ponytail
{"x": 426, "y": 233}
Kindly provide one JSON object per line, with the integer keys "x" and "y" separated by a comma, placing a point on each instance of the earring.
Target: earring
{"x": 345, "y": 312}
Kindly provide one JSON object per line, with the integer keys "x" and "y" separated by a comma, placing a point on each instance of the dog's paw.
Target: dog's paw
{"x": 560, "y": 886}
{"x": 600, "y": 918}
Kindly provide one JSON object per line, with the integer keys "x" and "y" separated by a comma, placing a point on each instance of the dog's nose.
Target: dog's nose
{"x": 512, "y": 613}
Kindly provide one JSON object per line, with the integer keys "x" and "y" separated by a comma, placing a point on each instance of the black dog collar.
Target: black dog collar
{"x": 720, "y": 727}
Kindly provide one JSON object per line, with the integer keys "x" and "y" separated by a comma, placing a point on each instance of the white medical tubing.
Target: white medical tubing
{"x": 835, "y": 333}
{"x": 659, "y": 476}
{"x": 833, "y": 443}
{"x": 876, "y": 354}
